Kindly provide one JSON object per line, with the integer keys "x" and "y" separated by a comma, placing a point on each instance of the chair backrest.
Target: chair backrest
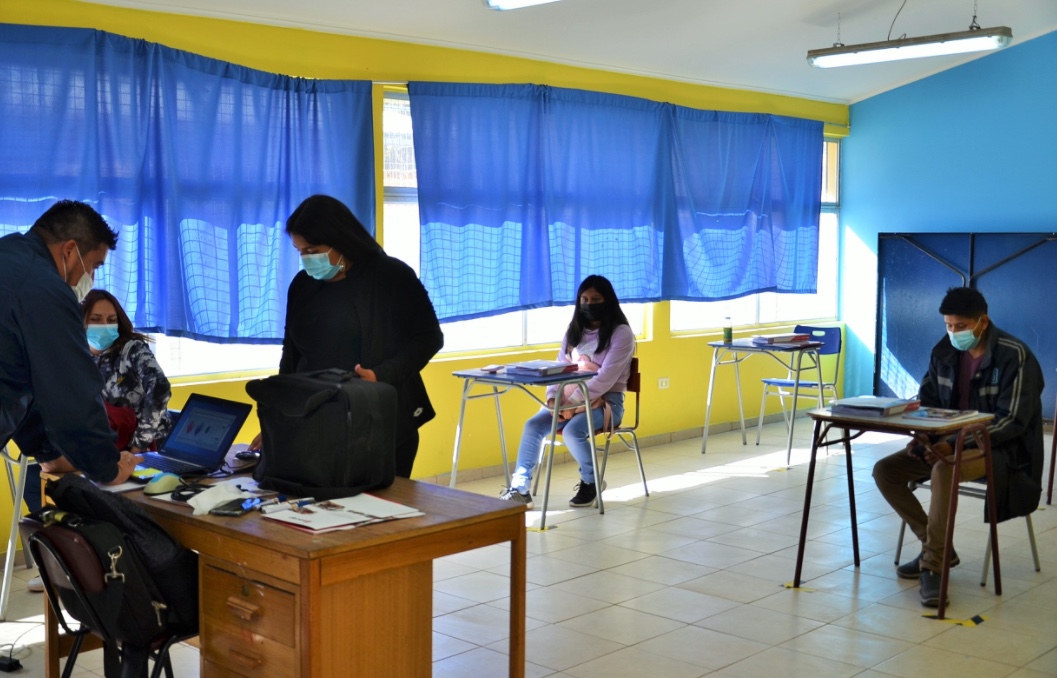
{"x": 831, "y": 343}
{"x": 634, "y": 386}
{"x": 634, "y": 379}
{"x": 829, "y": 336}
{"x": 70, "y": 571}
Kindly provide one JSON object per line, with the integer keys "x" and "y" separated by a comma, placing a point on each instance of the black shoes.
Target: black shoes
{"x": 930, "y": 588}
{"x": 912, "y": 569}
{"x": 585, "y": 495}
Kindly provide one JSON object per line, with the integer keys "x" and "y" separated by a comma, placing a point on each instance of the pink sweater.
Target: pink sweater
{"x": 614, "y": 362}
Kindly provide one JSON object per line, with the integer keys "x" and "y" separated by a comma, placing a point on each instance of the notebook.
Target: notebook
{"x": 201, "y": 437}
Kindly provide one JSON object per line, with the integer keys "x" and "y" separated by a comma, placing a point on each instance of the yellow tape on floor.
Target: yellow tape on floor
{"x": 970, "y": 622}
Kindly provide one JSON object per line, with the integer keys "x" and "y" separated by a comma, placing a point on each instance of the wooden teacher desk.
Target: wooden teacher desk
{"x": 276, "y": 601}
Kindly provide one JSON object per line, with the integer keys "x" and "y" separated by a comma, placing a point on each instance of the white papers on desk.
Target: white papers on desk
{"x": 352, "y": 511}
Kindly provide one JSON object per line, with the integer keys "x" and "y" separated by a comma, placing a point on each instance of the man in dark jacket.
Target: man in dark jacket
{"x": 50, "y": 402}
{"x": 975, "y": 367}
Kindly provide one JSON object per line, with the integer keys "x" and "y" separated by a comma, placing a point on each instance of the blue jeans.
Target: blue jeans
{"x": 578, "y": 436}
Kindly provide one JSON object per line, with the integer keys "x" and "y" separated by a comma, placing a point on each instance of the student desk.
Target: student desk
{"x": 790, "y": 356}
{"x": 500, "y": 383}
{"x": 276, "y": 601}
{"x": 851, "y": 427}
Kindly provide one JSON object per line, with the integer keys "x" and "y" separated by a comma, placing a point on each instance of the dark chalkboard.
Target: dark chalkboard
{"x": 1016, "y": 273}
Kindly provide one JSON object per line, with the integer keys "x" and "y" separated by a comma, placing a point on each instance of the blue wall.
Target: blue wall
{"x": 973, "y": 148}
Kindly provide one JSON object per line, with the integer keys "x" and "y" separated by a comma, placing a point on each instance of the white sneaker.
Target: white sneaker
{"x": 510, "y": 494}
{"x": 35, "y": 585}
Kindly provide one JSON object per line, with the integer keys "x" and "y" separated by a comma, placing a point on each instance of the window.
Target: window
{"x": 401, "y": 240}
{"x": 770, "y": 307}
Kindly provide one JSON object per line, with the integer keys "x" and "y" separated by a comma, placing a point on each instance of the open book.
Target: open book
{"x": 939, "y": 414}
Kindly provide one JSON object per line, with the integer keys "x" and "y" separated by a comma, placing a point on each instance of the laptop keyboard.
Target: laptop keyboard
{"x": 161, "y": 463}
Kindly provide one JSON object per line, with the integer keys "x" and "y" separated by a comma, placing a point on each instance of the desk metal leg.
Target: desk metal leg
{"x": 796, "y": 399}
{"x": 741, "y": 404}
{"x": 807, "y": 503}
{"x": 594, "y": 450}
{"x": 550, "y": 458}
{"x": 502, "y": 438}
{"x": 708, "y": 403}
{"x": 466, "y": 383}
{"x": 851, "y": 497}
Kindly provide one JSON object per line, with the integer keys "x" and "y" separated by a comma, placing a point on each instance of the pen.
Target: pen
{"x": 282, "y": 506}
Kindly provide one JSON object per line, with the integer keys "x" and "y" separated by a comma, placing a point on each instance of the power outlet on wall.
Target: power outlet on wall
{"x": 663, "y": 383}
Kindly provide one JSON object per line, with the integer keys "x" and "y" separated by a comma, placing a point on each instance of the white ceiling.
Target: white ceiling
{"x": 746, "y": 44}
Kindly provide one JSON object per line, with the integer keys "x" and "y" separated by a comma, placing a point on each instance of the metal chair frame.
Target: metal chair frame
{"x": 783, "y": 387}
{"x": 634, "y": 386}
{"x": 56, "y": 571}
{"x": 18, "y": 489}
{"x": 976, "y": 489}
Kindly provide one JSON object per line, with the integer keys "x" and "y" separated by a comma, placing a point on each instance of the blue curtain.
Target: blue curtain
{"x": 196, "y": 162}
{"x": 525, "y": 190}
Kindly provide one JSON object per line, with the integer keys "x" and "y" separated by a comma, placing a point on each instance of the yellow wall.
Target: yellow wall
{"x": 684, "y": 360}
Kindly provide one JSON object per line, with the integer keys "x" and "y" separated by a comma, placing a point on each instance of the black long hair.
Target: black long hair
{"x": 612, "y": 316}
{"x": 323, "y": 220}
{"x": 125, "y": 331}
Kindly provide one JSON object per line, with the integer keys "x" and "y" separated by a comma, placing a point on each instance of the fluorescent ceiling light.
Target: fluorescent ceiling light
{"x": 514, "y": 4}
{"x": 973, "y": 40}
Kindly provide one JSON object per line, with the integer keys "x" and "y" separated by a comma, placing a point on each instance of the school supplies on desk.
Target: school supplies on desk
{"x": 939, "y": 414}
{"x": 872, "y": 406}
{"x": 342, "y": 514}
{"x": 794, "y": 338}
{"x": 541, "y": 368}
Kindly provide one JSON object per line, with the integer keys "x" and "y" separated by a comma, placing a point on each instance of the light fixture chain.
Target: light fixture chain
{"x": 890, "y": 27}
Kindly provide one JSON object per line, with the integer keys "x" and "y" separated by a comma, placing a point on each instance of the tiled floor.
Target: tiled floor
{"x": 689, "y": 582}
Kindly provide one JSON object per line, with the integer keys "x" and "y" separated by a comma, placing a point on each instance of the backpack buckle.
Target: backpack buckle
{"x": 115, "y": 555}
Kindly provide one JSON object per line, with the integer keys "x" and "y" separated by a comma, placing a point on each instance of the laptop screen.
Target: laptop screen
{"x": 205, "y": 430}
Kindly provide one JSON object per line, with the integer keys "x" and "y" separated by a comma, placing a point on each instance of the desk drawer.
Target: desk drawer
{"x": 246, "y": 653}
{"x": 249, "y": 605}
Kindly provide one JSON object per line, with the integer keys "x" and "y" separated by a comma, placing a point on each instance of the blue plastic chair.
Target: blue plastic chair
{"x": 783, "y": 387}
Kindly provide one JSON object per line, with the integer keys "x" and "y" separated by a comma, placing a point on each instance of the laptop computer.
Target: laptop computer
{"x": 201, "y": 437}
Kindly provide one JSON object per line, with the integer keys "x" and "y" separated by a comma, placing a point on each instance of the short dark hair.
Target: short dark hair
{"x": 323, "y": 220}
{"x": 963, "y": 301}
{"x": 77, "y": 221}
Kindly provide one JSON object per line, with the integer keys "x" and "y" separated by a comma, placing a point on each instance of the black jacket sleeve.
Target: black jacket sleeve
{"x": 419, "y": 336}
{"x": 65, "y": 383}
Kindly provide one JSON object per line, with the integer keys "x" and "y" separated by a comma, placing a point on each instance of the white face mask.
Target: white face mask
{"x": 85, "y": 284}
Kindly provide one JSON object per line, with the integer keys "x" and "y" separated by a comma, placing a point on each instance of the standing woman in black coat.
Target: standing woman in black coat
{"x": 355, "y": 308}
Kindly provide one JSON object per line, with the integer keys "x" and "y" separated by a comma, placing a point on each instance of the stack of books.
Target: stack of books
{"x": 792, "y": 338}
{"x": 541, "y": 368}
{"x": 872, "y": 406}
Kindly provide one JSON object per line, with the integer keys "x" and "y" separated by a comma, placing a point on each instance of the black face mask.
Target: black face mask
{"x": 592, "y": 312}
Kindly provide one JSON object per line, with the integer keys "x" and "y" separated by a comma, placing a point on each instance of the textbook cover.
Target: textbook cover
{"x": 939, "y": 414}
{"x": 795, "y": 338}
{"x": 872, "y": 406}
{"x": 541, "y": 368}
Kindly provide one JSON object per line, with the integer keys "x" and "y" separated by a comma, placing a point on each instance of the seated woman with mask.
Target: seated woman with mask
{"x": 133, "y": 379}
{"x": 598, "y": 339}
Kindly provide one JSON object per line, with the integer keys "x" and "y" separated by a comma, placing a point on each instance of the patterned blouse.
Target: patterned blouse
{"x": 135, "y": 379}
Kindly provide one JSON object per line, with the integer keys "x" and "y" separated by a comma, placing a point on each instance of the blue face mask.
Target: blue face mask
{"x": 319, "y": 267}
{"x": 101, "y": 337}
{"x": 964, "y": 340}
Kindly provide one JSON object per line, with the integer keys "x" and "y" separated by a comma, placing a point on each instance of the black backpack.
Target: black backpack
{"x": 325, "y": 434}
{"x": 161, "y": 577}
